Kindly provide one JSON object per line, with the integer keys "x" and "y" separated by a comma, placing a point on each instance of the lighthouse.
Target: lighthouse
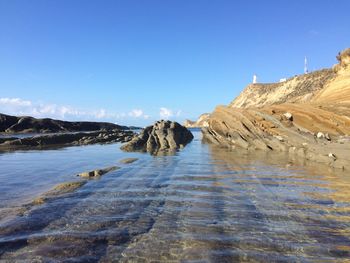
{"x": 255, "y": 79}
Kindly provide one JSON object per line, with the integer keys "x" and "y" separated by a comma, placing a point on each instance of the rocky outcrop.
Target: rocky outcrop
{"x": 201, "y": 122}
{"x": 25, "y": 124}
{"x": 163, "y": 136}
{"x": 65, "y": 139}
{"x": 307, "y": 116}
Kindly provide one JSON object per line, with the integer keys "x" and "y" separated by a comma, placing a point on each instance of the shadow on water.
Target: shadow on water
{"x": 205, "y": 203}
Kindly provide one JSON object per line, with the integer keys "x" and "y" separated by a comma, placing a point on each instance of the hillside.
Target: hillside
{"x": 25, "y": 124}
{"x": 300, "y": 88}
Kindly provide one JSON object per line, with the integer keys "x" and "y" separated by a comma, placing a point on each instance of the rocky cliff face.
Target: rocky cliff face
{"x": 201, "y": 122}
{"x": 307, "y": 116}
{"x": 25, "y": 124}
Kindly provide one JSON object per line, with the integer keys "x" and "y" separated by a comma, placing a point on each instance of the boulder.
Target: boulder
{"x": 162, "y": 136}
{"x": 288, "y": 116}
{"x": 320, "y": 135}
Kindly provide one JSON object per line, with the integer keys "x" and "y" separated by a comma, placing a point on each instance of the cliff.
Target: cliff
{"x": 300, "y": 88}
{"x": 202, "y": 121}
{"x": 307, "y": 116}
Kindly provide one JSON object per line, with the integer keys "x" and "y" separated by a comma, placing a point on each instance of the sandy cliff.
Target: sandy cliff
{"x": 307, "y": 116}
{"x": 300, "y": 88}
{"x": 202, "y": 121}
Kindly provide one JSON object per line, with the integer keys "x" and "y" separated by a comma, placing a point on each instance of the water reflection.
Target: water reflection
{"x": 204, "y": 203}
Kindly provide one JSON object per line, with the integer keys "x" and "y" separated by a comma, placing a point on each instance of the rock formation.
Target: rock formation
{"x": 201, "y": 122}
{"x": 289, "y": 117}
{"x": 65, "y": 139}
{"x": 163, "y": 136}
{"x": 25, "y": 124}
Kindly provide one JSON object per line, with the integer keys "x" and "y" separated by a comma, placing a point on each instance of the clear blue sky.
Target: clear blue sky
{"x": 130, "y": 61}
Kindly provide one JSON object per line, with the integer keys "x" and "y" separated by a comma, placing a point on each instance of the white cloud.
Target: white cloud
{"x": 15, "y": 102}
{"x": 136, "y": 113}
{"x": 166, "y": 113}
{"x": 17, "y": 106}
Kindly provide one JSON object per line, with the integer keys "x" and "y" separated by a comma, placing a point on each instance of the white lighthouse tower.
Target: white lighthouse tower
{"x": 255, "y": 79}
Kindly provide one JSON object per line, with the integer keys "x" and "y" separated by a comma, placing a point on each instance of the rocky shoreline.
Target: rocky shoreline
{"x": 65, "y": 139}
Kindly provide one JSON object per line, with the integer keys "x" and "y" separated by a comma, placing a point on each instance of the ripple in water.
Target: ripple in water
{"x": 203, "y": 204}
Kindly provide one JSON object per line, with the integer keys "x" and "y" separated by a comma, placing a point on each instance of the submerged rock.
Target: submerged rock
{"x": 128, "y": 160}
{"x": 160, "y": 137}
{"x": 98, "y": 172}
{"x": 60, "y": 189}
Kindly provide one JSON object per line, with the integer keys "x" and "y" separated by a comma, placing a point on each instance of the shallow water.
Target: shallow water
{"x": 205, "y": 204}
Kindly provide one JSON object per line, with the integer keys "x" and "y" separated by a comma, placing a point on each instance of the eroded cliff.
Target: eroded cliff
{"x": 307, "y": 116}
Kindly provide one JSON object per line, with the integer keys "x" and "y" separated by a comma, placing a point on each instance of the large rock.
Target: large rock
{"x": 160, "y": 137}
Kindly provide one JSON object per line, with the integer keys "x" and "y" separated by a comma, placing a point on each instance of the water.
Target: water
{"x": 205, "y": 204}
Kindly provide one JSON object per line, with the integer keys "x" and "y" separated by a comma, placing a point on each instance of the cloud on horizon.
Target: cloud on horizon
{"x": 18, "y": 106}
{"x": 166, "y": 113}
{"x": 136, "y": 116}
{"x": 137, "y": 113}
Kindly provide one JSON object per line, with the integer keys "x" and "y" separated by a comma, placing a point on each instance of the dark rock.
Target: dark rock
{"x": 65, "y": 139}
{"x": 160, "y": 137}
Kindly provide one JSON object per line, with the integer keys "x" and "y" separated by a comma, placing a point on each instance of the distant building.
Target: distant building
{"x": 283, "y": 80}
{"x": 255, "y": 79}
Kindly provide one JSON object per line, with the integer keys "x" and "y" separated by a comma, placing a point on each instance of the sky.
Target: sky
{"x": 133, "y": 62}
